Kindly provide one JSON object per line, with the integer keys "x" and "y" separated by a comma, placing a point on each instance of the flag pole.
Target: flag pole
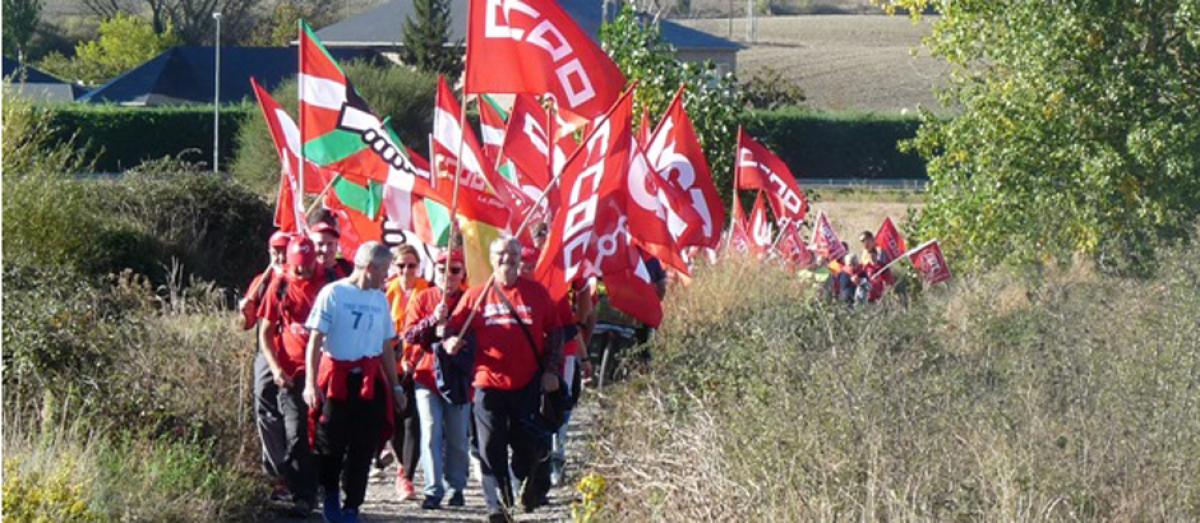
{"x": 317, "y": 202}
{"x": 300, "y": 108}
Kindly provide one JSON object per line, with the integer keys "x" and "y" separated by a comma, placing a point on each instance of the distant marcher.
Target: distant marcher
{"x": 518, "y": 356}
{"x": 406, "y": 437}
{"x": 355, "y": 390}
{"x": 445, "y": 421}
{"x": 874, "y": 260}
{"x": 283, "y": 339}
{"x": 267, "y": 418}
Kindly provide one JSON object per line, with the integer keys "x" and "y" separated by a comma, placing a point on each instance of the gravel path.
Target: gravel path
{"x": 383, "y": 504}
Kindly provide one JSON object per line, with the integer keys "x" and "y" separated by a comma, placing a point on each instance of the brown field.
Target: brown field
{"x": 854, "y": 212}
{"x": 843, "y": 62}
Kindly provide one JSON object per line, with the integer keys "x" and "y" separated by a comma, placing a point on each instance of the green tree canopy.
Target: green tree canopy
{"x": 21, "y": 19}
{"x": 426, "y": 33}
{"x": 124, "y": 42}
{"x": 1078, "y": 129}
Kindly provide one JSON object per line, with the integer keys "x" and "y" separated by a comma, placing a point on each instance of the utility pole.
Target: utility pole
{"x": 217, "y": 97}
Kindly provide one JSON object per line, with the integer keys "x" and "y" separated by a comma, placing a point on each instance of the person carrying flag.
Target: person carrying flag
{"x": 351, "y": 395}
{"x": 445, "y": 420}
{"x": 874, "y": 260}
{"x": 283, "y": 338}
{"x": 518, "y": 356}
{"x": 267, "y": 418}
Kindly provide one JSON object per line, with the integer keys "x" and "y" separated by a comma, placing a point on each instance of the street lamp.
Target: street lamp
{"x": 217, "y": 96}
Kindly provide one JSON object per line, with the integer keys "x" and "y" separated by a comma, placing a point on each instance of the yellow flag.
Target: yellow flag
{"x": 477, "y": 237}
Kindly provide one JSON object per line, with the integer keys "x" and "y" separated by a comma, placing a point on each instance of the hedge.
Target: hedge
{"x": 815, "y": 145}
{"x": 123, "y": 137}
{"x": 839, "y": 145}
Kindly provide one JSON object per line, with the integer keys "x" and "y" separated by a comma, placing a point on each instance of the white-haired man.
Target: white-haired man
{"x": 355, "y": 388}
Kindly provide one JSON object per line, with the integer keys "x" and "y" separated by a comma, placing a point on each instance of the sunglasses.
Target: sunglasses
{"x": 453, "y": 270}
{"x": 407, "y": 265}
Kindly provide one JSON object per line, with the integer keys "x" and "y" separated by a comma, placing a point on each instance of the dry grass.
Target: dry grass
{"x": 852, "y": 212}
{"x": 843, "y": 62}
{"x": 1065, "y": 395}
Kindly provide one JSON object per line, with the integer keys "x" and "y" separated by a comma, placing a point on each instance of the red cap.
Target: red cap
{"x": 279, "y": 239}
{"x": 326, "y": 228}
{"x": 454, "y": 256}
{"x": 529, "y": 254}
{"x": 301, "y": 252}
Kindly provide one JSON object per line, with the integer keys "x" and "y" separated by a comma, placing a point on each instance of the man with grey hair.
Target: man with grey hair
{"x": 518, "y": 355}
{"x": 355, "y": 387}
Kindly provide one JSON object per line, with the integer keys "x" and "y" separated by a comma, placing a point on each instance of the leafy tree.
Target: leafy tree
{"x": 426, "y": 32}
{"x": 713, "y": 101}
{"x": 190, "y": 20}
{"x": 279, "y": 28}
{"x": 125, "y": 42}
{"x": 21, "y": 19}
{"x": 1077, "y": 129}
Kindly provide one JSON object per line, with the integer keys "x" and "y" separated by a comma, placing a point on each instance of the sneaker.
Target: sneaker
{"x": 499, "y": 516}
{"x": 405, "y": 488}
{"x": 384, "y": 458}
{"x": 431, "y": 503}
{"x": 350, "y": 515}
{"x": 556, "y": 472}
{"x": 331, "y": 510}
{"x": 456, "y": 500}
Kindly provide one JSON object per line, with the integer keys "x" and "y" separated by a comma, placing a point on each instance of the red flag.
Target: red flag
{"x": 889, "y": 240}
{"x": 632, "y": 292}
{"x": 675, "y": 152}
{"x": 643, "y": 136}
{"x": 658, "y": 214}
{"x": 739, "y": 235}
{"x": 928, "y": 261}
{"x": 526, "y": 144}
{"x": 475, "y": 200}
{"x": 792, "y": 248}
{"x": 589, "y": 236}
{"x": 758, "y": 168}
{"x": 760, "y": 227}
{"x": 825, "y": 240}
{"x": 535, "y": 47}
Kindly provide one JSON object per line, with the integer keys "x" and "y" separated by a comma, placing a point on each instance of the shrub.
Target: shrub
{"x": 839, "y": 145}
{"x": 404, "y": 95}
{"x": 124, "y": 137}
{"x": 770, "y": 89}
{"x": 1002, "y": 396}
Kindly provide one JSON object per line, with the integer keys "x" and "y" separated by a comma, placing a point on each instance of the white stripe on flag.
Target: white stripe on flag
{"x": 322, "y": 92}
{"x": 492, "y": 135}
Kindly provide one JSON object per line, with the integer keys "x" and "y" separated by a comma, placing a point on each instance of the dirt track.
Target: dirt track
{"x": 383, "y": 504}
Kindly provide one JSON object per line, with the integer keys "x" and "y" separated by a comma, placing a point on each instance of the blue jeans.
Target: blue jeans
{"x": 444, "y": 432}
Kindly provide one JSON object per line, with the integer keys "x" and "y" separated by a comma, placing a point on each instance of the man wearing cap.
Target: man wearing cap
{"x": 283, "y": 339}
{"x": 325, "y": 235}
{"x": 352, "y": 395}
{"x": 267, "y": 417}
{"x": 518, "y": 356}
{"x": 444, "y": 420}
{"x": 875, "y": 259}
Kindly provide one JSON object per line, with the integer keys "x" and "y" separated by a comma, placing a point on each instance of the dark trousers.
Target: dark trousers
{"x": 299, "y": 467}
{"x": 347, "y": 438}
{"x": 504, "y": 419}
{"x": 406, "y": 436}
{"x": 268, "y": 419}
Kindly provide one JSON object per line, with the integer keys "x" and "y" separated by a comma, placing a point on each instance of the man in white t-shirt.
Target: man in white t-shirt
{"x": 355, "y": 387}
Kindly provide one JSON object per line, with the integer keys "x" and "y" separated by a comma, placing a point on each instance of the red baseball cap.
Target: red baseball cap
{"x": 454, "y": 256}
{"x": 301, "y": 252}
{"x": 326, "y": 228}
{"x": 279, "y": 239}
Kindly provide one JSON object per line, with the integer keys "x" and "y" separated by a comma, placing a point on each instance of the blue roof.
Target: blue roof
{"x": 383, "y": 26}
{"x": 32, "y": 75}
{"x": 184, "y": 75}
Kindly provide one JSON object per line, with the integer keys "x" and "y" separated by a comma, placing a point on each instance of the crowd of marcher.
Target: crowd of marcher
{"x": 362, "y": 363}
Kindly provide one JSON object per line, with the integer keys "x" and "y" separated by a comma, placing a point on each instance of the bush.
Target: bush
{"x": 124, "y": 137}
{"x": 769, "y": 89}
{"x": 839, "y": 145}
{"x": 1001, "y": 396}
{"x": 405, "y": 95}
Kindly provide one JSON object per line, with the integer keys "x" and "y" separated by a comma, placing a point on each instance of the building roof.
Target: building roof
{"x": 383, "y": 26}
{"x": 32, "y": 83}
{"x": 184, "y": 75}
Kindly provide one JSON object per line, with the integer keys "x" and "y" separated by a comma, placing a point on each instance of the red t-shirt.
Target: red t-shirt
{"x": 420, "y": 356}
{"x": 503, "y": 359}
{"x": 290, "y": 313}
